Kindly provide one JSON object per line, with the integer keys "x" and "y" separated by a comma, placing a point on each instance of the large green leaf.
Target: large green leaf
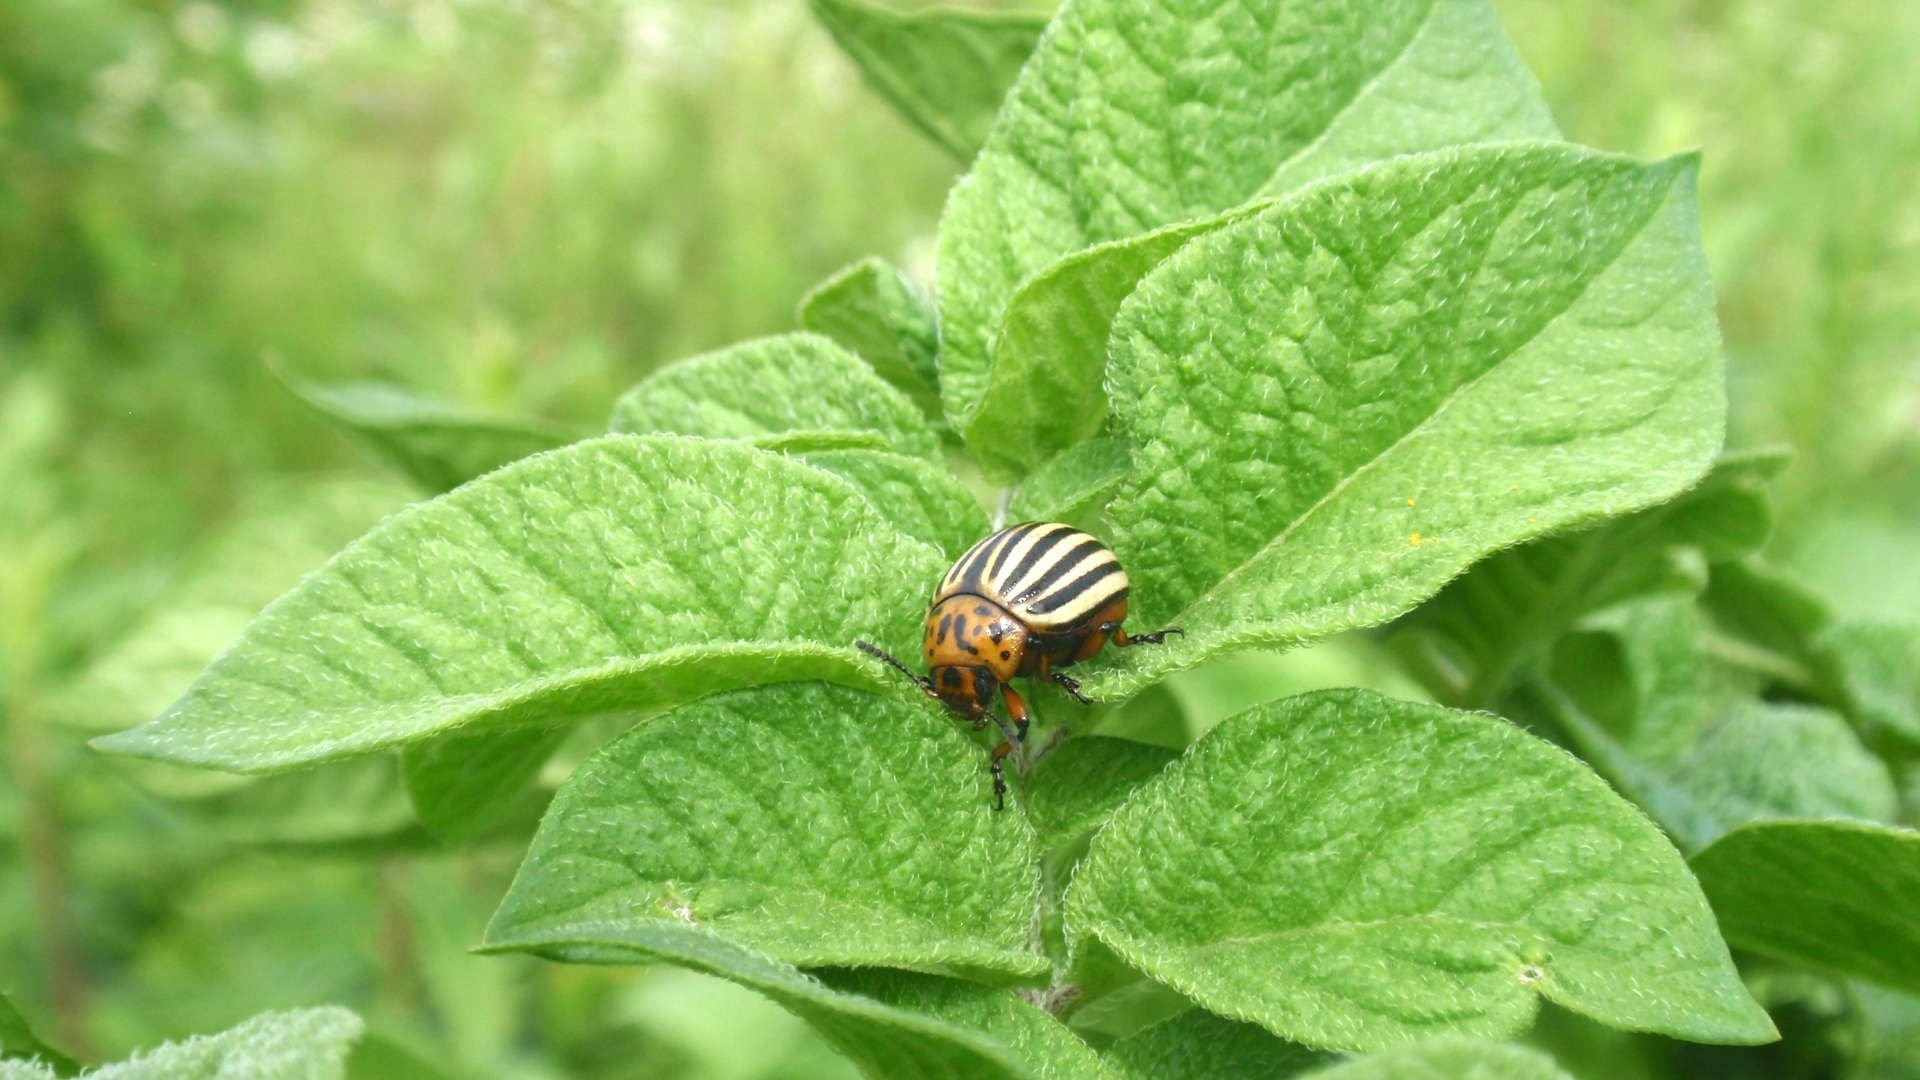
{"x": 1355, "y": 872}
{"x": 821, "y": 825}
{"x": 466, "y": 786}
{"x": 1469, "y": 640}
{"x": 875, "y": 312}
{"x": 884, "y": 1040}
{"x": 1081, "y": 783}
{"x": 1133, "y": 115}
{"x": 945, "y": 70}
{"x": 1841, "y": 897}
{"x": 437, "y": 444}
{"x": 1074, "y": 483}
{"x": 298, "y": 1044}
{"x": 771, "y": 389}
{"x": 1340, "y": 403}
{"x": 614, "y": 575}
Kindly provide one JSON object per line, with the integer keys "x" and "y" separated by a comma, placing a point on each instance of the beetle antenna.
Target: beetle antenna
{"x": 884, "y": 656}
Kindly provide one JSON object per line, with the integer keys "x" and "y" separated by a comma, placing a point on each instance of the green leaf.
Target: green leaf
{"x": 1355, "y": 872}
{"x": 1766, "y": 621}
{"x": 921, "y": 499}
{"x": 877, "y": 313}
{"x": 883, "y": 1040}
{"x": 1878, "y": 664}
{"x": 1342, "y": 402}
{"x": 437, "y": 444}
{"x": 1075, "y": 483}
{"x": 1470, "y": 639}
{"x": 613, "y": 575}
{"x": 297, "y": 1044}
{"x": 771, "y": 388}
{"x": 1840, "y": 897}
{"x": 946, "y": 71}
{"x": 465, "y": 787}
{"x": 1132, "y": 116}
{"x": 17, "y": 1040}
{"x": 1077, "y": 786}
{"x": 820, "y": 825}
{"x": 1044, "y": 1044}
{"x": 1198, "y": 1045}
{"x": 344, "y": 805}
{"x": 1447, "y": 1059}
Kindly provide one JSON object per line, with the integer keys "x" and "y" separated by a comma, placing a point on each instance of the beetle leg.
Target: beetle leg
{"x": 1013, "y": 738}
{"x": 1119, "y": 636}
{"x": 999, "y": 777}
{"x": 1017, "y": 709}
{"x": 923, "y": 682}
{"x": 1071, "y": 686}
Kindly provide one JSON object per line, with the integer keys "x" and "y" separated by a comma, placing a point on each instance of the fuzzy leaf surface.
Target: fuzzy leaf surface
{"x": 945, "y": 70}
{"x": 879, "y": 315}
{"x": 1133, "y": 115}
{"x": 437, "y": 444}
{"x": 882, "y": 1039}
{"x": 1841, "y": 897}
{"x": 1878, "y": 663}
{"x": 1355, "y": 872}
{"x": 1197, "y": 1045}
{"x": 1044, "y": 1044}
{"x": 770, "y": 389}
{"x": 1340, "y": 403}
{"x": 1075, "y": 483}
{"x": 1446, "y": 1059}
{"x": 298, "y": 1044}
{"x": 820, "y": 825}
{"x": 1079, "y": 785}
{"x": 465, "y": 786}
{"x": 921, "y": 499}
{"x": 614, "y": 575}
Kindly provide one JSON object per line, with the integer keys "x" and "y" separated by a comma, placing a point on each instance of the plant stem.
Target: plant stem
{"x": 45, "y": 846}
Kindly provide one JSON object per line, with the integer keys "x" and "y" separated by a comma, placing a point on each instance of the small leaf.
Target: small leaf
{"x": 1340, "y": 403}
{"x": 1469, "y": 640}
{"x": 467, "y": 786}
{"x": 1356, "y": 872}
{"x": 946, "y": 71}
{"x": 1133, "y": 115}
{"x": 1770, "y": 623}
{"x": 1044, "y": 1044}
{"x": 1878, "y": 662}
{"x": 17, "y": 1040}
{"x": 298, "y": 1044}
{"x": 774, "y": 387}
{"x": 876, "y": 313}
{"x": 1841, "y": 897}
{"x": 1446, "y": 1059}
{"x": 820, "y": 825}
{"x": 883, "y": 1040}
{"x": 613, "y": 575}
{"x": 1077, "y": 482}
{"x": 921, "y": 499}
{"x": 1082, "y": 782}
{"x": 1198, "y": 1045}
{"x": 437, "y": 444}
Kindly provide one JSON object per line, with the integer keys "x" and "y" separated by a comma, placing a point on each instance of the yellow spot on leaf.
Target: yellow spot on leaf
{"x": 1410, "y": 502}
{"x": 1415, "y": 540}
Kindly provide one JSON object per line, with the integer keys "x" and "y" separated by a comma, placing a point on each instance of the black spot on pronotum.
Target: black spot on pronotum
{"x": 946, "y": 622}
{"x": 982, "y": 610}
{"x": 1005, "y": 655}
{"x": 996, "y": 631}
{"x": 959, "y": 628}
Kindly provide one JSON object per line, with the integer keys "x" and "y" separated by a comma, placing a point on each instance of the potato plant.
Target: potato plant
{"x": 1309, "y": 311}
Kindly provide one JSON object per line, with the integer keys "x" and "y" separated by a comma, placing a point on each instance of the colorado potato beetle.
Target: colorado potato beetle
{"x": 1028, "y": 600}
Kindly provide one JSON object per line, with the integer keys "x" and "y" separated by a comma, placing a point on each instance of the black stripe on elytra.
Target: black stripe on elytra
{"x": 975, "y": 572}
{"x": 1068, "y": 562}
{"x": 953, "y": 575}
{"x": 1016, "y": 534}
{"x": 1072, "y": 590}
{"x": 1037, "y": 556}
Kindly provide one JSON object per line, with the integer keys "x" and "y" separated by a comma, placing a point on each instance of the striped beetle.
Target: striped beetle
{"x": 1028, "y": 600}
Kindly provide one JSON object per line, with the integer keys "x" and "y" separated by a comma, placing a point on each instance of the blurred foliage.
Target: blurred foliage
{"x": 521, "y": 206}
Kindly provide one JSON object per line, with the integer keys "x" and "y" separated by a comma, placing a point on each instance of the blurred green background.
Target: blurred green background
{"x": 524, "y": 205}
